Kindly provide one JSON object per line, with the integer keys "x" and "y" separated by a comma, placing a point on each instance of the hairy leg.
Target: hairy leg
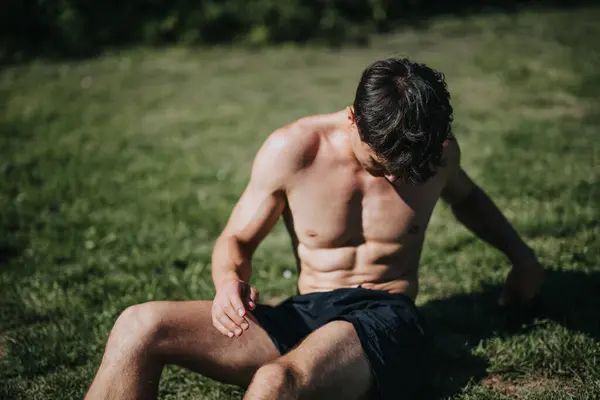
{"x": 328, "y": 364}
{"x": 148, "y": 336}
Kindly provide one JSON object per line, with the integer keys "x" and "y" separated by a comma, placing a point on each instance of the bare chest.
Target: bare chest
{"x": 340, "y": 207}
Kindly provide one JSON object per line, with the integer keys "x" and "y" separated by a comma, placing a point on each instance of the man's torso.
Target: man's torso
{"x": 350, "y": 228}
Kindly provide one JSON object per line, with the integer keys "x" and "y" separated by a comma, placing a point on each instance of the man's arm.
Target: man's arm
{"x": 476, "y": 211}
{"x": 252, "y": 219}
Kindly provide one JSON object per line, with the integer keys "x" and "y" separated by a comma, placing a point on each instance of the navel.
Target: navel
{"x": 311, "y": 233}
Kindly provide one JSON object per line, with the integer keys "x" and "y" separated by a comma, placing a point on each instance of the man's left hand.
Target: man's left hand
{"x": 523, "y": 282}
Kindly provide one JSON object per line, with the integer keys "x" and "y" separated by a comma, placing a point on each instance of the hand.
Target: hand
{"x": 523, "y": 282}
{"x": 230, "y": 305}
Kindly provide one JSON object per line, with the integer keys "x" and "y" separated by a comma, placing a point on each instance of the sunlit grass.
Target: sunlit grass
{"x": 118, "y": 173}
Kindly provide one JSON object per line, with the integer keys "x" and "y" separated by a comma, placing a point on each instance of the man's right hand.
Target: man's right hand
{"x": 229, "y": 307}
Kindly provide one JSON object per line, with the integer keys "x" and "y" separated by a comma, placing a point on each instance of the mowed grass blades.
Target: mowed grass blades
{"x": 117, "y": 173}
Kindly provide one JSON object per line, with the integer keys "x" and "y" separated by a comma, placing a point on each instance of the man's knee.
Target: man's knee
{"x": 280, "y": 374}
{"x": 138, "y": 327}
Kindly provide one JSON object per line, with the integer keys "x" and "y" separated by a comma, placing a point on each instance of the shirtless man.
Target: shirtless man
{"x": 356, "y": 189}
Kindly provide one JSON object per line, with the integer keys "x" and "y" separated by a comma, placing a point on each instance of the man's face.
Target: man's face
{"x": 365, "y": 155}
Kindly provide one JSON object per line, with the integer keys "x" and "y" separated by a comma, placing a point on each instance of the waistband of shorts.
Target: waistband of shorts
{"x": 358, "y": 289}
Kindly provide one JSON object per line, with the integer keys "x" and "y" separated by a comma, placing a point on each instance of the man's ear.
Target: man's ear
{"x": 351, "y": 116}
{"x": 391, "y": 178}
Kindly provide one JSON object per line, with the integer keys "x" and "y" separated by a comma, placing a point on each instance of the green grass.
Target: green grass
{"x": 117, "y": 173}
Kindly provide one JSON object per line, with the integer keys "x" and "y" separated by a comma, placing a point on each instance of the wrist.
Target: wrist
{"x": 226, "y": 279}
{"x": 522, "y": 255}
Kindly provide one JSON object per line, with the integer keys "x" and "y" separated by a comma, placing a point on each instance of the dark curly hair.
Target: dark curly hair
{"x": 403, "y": 113}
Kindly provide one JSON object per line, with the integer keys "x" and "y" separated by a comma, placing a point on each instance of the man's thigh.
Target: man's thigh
{"x": 332, "y": 364}
{"x": 188, "y": 338}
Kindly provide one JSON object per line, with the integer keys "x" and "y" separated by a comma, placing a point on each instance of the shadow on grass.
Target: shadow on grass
{"x": 460, "y": 322}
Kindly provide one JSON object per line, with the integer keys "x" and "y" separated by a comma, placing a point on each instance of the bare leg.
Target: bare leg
{"x": 148, "y": 336}
{"x": 328, "y": 364}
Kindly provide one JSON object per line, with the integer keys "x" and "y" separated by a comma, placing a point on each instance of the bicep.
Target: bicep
{"x": 255, "y": 214}
{"x": 458, "y": 185}
{"x": 263, "y": 201}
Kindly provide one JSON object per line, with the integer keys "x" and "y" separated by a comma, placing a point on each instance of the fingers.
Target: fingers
{"x": 226, "y": 322}
{"x": 252, "y": 298}
{"x": 509, "y": 296}
{"x": 223, "y": 320}
{"x": 231, "y": 319}
{"x": 229, "y": 309}
{"x": 238, "y": 312}
{"x": 221, "y": 328}
{"x": 220, "y": 321}
{"x": 503, "y": 300}
{"x": 238, "y": 308}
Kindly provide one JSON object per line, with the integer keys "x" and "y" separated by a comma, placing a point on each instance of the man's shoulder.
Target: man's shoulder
{"x": 287, "y": 150}
{"x": 296, "y": 143}
{"x": 450, "y": 162}
{"x": 304, "y": 132}
{"x": 452, "y": 153}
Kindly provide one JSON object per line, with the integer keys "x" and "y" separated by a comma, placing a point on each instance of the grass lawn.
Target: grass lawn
{"x": 117, "y": 173}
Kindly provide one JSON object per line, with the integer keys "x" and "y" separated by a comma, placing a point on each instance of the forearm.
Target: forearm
{"x": 481, "y": 216}
{"x": 230, "y": 261}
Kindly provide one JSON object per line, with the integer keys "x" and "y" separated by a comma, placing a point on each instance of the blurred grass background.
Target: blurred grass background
{"x": 76, "y": 28}
{"x": 119, "y": 171}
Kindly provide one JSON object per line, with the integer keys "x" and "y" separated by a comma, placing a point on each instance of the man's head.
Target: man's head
{"x": 403, "y": 117}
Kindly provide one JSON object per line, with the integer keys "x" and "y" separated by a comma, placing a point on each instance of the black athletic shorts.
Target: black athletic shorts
{"x": 390, "y": 329}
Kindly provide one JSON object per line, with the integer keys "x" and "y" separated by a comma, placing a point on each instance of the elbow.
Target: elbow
{"x": 467, "y": 200}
